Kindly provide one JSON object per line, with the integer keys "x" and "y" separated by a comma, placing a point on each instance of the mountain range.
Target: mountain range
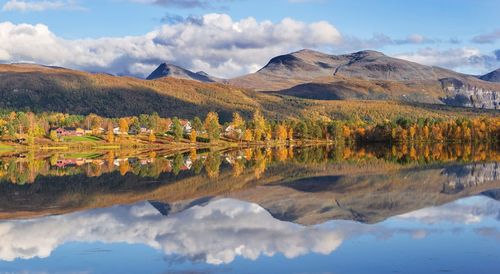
{"x": 302, "y": 83}
{"x": 368, "y": 75}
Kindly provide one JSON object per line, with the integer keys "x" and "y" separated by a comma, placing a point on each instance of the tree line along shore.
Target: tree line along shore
{"x": 52, "y": 130}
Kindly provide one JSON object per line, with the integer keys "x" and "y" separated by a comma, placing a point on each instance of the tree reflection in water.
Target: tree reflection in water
{"x": 25, "y": 168}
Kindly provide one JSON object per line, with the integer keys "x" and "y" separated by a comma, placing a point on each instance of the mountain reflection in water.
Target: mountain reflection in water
{"x": 220, "y": 231}
{"x": 285, "y": 210}
{"x": 364, "y": 184}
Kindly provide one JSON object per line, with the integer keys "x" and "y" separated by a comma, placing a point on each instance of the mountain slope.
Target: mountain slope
{"x": 493, "y": 76}
{"x": 307, "y": 65}
{"x": 40, "y": 88}
{"x": 368, "y": 75}
{"x": 169, "y": 70}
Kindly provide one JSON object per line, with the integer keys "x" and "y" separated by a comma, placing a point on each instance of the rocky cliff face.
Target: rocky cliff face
{"x": 461, "y": 94}
{"x": 470, "y": 176}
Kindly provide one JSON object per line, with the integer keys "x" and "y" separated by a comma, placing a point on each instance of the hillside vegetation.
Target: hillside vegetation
{"x": 39, "y": 88}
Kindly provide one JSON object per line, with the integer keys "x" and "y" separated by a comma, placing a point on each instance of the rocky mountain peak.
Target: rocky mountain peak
{"x": 493, "y": 76}
{"x": 170, "y": 70}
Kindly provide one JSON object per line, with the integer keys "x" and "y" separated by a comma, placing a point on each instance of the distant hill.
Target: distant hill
{"x": 173, "y": 71}
{"x": 368, "y": 75}
{"x": 40, "y": 88}
{"x": 493, "y": 76}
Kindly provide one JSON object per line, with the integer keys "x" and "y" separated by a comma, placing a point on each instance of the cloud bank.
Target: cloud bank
{"x": 20, "y": 5}
{"x": 224, "y": 229}
{"x": 216, "y": 233}
{"x": 214, "y": 43}
{"x": 467, "y": 60}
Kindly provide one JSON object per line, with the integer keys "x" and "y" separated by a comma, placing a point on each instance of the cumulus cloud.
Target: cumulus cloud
{"x": 220, "y": 231}
{"x": 216, "y": 233}
{"x": 487, "y": 38}
{"x": 20, "y": 5}
{"x": 214, "y": 43}
{"x": 468, "y": 211}
{"x": 467, "y": 60}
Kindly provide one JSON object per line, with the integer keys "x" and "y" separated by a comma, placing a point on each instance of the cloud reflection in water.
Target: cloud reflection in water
{"x": 219, "y": 231}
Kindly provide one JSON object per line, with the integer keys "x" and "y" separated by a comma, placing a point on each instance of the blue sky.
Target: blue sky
{"x": 457, "y": 34}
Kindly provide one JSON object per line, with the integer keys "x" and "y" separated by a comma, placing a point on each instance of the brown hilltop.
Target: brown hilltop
{"x": 368, "y": 75}
{"x": 43, "y": 88}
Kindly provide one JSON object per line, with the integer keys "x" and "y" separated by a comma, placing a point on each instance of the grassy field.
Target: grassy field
{"x": 87, "y": 155}
{"x": 74, "y": 139}
{"x": 5, "y": 147}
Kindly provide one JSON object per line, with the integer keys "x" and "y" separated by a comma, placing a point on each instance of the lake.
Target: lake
{"x": 316, "y": 209}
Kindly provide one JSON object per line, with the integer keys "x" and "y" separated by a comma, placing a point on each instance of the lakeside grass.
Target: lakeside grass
{"x": 76, "y": 139}
{"x": 87, "y": 155}
{"x": 6, "y": 147}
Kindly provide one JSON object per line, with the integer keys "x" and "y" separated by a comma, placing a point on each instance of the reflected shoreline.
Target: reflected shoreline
{"x": 25, "y": 168}
{"x": 322, "y": 183}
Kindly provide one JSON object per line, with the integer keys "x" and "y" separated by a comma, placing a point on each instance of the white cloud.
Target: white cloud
{"x": 222, "y": 230}
{"x": 466, "y": 60}
{"x": 487, "y": 38}
{"x": 214, "y": 43}
{"x": 468, "y": 211}
{"x": 216, "y": 233}
{"x": 21, "y": 5}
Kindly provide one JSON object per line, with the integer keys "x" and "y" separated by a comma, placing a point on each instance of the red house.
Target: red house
{"x": 69, "y": 131}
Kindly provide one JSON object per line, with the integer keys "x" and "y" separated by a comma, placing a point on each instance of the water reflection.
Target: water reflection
{"x": 307, "y": 185}
{"x": 222, "y": 208}
{"x": 26, "y": 168}
{"x": 215, "y": 233}
{"x": 222, "y": 230}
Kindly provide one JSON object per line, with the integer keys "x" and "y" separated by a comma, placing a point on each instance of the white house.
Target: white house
{"x": 186, "y": 126}
{"x": 233, "y": 132}
{"x": 117, "y": 131}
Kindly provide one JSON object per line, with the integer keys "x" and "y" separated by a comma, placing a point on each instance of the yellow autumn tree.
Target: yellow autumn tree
{"x": 152, "y": 137}
{"x": 212, "y": 126}
{"x": 290, "y": 134}
{"x": 110, "y": 136}
{"x": 192, "y": 136}
{"x": 412, "y": 131}
{"x": 259, "y": 125}
{"x": 248, "y": 136}
{"x": 123, "y": 124}
{"x": 281, "y": 133}
{"x": 346, "y": 132}
{"x": 425, "y": 132}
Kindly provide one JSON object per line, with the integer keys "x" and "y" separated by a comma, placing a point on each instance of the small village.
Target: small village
{"x": 79, "y": 132}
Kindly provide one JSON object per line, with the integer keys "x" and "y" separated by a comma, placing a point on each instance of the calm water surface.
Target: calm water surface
{"x": 426, "y": 209}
